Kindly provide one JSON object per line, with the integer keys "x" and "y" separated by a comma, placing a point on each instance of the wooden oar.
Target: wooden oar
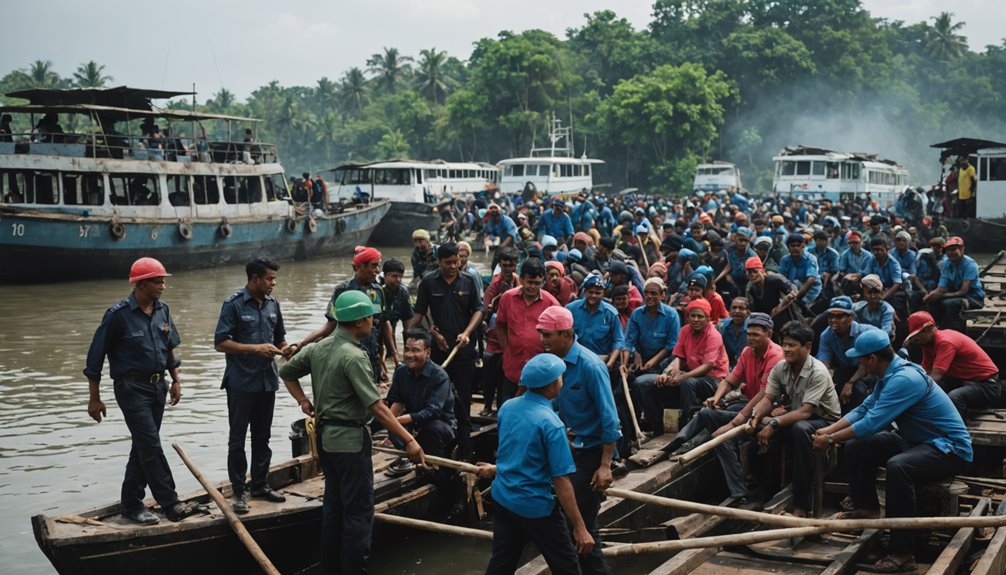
{"x": 441, "y": 461}
{"x": 232, "y": 517}
{"x": 632, "y": 408}
{"x": 712, "y": 443}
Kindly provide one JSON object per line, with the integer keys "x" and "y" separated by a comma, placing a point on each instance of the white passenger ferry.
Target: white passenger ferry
{"x": 820, "y": 173}
{"x": 551, "y": 171}
{"x": 717, "y": 176}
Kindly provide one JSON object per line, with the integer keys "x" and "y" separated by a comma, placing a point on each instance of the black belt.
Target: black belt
{"x": 340, "y": 423}
{"x": 150, "y": 378}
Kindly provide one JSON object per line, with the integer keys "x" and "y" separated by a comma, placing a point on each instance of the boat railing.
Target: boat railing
{"x": 123, "y": 147}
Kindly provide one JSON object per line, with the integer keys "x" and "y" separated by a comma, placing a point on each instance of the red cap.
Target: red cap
{"x": 701, "y": 304}
{"x": 853, "y": 234}
{"x": 917, "y": 322}
{"x": 364, "y": 254}
{"x": 555, "y": 318}
{"x": 754, "y": 263}
{"x": 556, "y": 265}
{"x": 954, "y": 241}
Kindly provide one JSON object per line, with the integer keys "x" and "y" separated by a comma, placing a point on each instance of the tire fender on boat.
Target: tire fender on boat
{"x": 225, "y": 230}
{"x": 340, "y": 225}
{"x": 311, "y": 225}
{"x": 185, "y": 230}
{"x": 117, "y": 229}
{"x": 291, "y": 225}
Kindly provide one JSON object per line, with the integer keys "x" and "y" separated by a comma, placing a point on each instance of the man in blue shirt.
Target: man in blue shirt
{"x": 931, "y": 443}
{"x": 800, "y": 268}
{"x": 250, "y": 331}
{"x": 733, "y": 329}
{"x": 929, "y": 265}
{"x": 596, "y": 322}
{"x": 853, "y": 264}
{"x": 850, "y": 380}
{"x": 960, "y": 288}
{"x": 827, "y": 264}
{"x": 906, "y": 257}
{"x": 587, "y": 406}
{"x": 500, "y": 226}
{"x": 556, "y": 222}
{"x": 139, "y": 338}
{"x": 532, "y": 460}
{"x": 737, "y": 254}
{"x": 890, "y": 273}
{"x": 583, "y": 214}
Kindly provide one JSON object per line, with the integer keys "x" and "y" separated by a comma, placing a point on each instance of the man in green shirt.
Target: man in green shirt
{"x": 346, "y": 397}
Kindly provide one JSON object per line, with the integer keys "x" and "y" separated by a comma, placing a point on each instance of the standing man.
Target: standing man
{"x": 556, "y": 222}
{"x": 586, "y": 406}
{"x": 346, "y": 398}
{"x": 424, "y": 255}
{"x": 533, "y": 469}
{"x": 250, "y": 331}
{"x": 959, "y": 289}
{"x": 516, "y": 323}
{"x": 967, "y": 187}
{"x": 931, "y": 443}
{"x": 139, "y": 338}
{"x": 455, "y": 306}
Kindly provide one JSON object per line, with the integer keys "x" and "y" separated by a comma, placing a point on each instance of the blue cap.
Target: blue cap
{"x": 840, "y": 304}
{"x": 560, "y": 256}
{"x": 687, "y": 254}
{"x": 547, "y": 241}
{"x": 575, "y": 255}
{"x": 744, "y": 231}
{"x": 781, "y": 231}
{"x": 558, "y": 203}
{"x": 698, "y": 279}
{"x": 643, "y": 228}
{"x": 759, "y": 319}
{"x": 542, "y": 370}
{"x": 594, "y": 279}
{"x": 706, "y": 271}
{"x": 869, "y": 341}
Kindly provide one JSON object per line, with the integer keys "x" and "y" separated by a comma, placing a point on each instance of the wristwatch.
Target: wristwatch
{"x": 831, "y": 440}
{"x": 774, "y": 423}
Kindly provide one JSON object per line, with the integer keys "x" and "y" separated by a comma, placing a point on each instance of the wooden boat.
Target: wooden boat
{"x": 987, "y": 326}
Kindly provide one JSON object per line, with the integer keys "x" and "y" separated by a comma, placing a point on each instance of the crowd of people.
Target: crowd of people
{"x": 793, "y": 319}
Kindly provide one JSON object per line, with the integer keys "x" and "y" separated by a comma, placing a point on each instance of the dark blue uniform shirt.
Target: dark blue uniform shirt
{"x": 426, "y": 397}
{"x": 136, "y": 344}
{"x": 244, "y": 321}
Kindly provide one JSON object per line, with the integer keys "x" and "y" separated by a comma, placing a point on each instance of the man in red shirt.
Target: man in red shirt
{"x": 517, "y": 321}
{"x": 493, "y": 384}
{"x": 700, "y": 361}
{"x": 956, "y": 362}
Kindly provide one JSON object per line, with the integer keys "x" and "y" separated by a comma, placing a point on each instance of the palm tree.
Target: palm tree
{"x": 91, "y": 75}
{"x": 942, "y": 39}
{"x": 431, "y": 77}
{"x": 327, "y": 133}
{"x": 393, "y": 144}
{"x": 389, "y": 68}
{"x": 38, "y": 75}
{"x": 221, "y": 101}
{"x": 353, "y": 90}
{"x": 325, "y": 94}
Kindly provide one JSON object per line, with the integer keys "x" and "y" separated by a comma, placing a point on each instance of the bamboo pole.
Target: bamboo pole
{"x": 712, "y": 443}
{"x": 232, "y": 518}
{"x": 628, "y": 401}
{"x": 441, "y": 461}
{"x": 433, "y": 526}
{"x": 450, "y": 356}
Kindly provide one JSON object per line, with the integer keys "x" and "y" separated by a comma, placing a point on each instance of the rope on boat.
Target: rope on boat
{"x": 989, "y": 328}
{"x": 312, "y": 436}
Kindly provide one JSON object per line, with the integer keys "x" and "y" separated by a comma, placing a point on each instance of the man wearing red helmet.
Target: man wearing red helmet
{"x": 139, "y": 338}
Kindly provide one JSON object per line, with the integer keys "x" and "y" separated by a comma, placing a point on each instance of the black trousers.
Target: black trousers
{"x": 906, "y": 467}
{"x": 798, "y": 436}
{"x": 492, "y": 378}
{"x": 973, "y": 394}
{"x": 588, "y": 502}
{"x": 511, "y": 533}
{"x": 347, "y": 511}
{"x": 142, "y": 405}
{"x": 948, "y": 312}
{"x": 860, "y": 390}
{"x": 254, "y": 409}
{"x": 461, "y": 370}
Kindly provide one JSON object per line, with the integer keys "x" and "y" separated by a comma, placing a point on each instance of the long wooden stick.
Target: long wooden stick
{"x": 712, "y": 443}
{"x": 632, "y": 408}
{"x": 232, "y": 518}
{"x": 829, "y": 525}
{"x": 450, "y": 356}
{"x": 441, "y": 461}
{"x": 433, "y": 526}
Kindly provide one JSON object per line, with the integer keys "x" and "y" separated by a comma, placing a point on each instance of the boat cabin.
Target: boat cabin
{"x": 820, "y": 173}
{"x": 412, "y": 181}
{"x": 716, "y": 176}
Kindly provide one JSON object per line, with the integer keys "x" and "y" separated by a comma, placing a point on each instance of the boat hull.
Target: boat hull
{"x": 980, "y": 234}
{"x": 43, "y": 247}
{"x": 402, "y": 219}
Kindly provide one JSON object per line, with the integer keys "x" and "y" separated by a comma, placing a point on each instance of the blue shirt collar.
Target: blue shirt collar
{"x": 133, "y": 304}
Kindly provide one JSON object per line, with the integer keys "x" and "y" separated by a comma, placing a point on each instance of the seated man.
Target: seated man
{"x": 850, "y": 380}
{"x": 732, "y": 329}
{"x": 650, "y": 337}
{"x": 931, "y": 443}
{"x": 700, "y": 361}
{"x": 769, "y": 292}
{"x": 801, "y": 270}
{"x": 956, "y": 362}
{"x": 853, "y": 264}
{"x": 813, "y": 404}
{"x": 872, "y": 309}
{"x": 959, "y": 289}
{"x": 422, "y": 400}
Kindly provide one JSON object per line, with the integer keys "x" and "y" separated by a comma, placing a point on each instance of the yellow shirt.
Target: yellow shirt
{"x": 966, "y": 182}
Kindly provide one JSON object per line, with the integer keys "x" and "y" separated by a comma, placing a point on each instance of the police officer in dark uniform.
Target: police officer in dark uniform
{"x": 139, "y": 338}
{"x": 251, "y": 332}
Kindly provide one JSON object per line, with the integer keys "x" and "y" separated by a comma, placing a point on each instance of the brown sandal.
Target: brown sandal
{"x": 889, "y": 564}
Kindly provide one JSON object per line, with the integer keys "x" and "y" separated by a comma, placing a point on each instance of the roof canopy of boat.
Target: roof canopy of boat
{"x": 964, "y": 147}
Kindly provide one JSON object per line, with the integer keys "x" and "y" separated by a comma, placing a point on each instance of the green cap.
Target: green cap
{"x": 352, "y": 305}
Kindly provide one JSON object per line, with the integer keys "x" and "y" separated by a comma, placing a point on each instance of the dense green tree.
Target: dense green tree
{"x": 353, "y": 90}
{"x": 943, "y": 41}
{"x": 432, "y": 77}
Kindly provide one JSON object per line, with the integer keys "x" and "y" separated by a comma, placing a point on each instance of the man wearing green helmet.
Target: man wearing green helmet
{"x": 346, "y": 397}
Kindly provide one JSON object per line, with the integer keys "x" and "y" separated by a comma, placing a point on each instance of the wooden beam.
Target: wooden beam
{"x": 685, "y": 562}
{"x": 993, "y": 562}
{"x": 949, "y": 561}
{"x": 851, "y": 554}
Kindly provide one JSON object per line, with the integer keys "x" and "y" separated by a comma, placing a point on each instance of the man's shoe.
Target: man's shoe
{"x": 141, "y": 515}
{"x": 268, "y": 494}
{"x": 399, "y": 467}
{"x": 180, "y": 510}
{"x": 240, "y": 503}
{"x": 674, "y": 445}
{"x": 487, "y": 412}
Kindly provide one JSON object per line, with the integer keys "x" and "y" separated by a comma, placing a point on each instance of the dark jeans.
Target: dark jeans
{"x": 436, "y": 437}
{"x": 727, "y": 453}
{"x": 973, "y": 394}
{"x": 948, "y": 312}
{"x": 511, "y": 533}
{"x": 142, "y": 406}
{"x": 347, "y": 512}
{"x": 688, "y": 395}
{"x": 462, "y": 373}
{"x": 906, "y": 467}
{"x": 508, "y": 391}
{"x": 246, "y": 408}
{"x": 588, "y": 502}
{"x": 860, "y": 390}
{"x": 798, "y": 436}
{"x": 492, "y": 378}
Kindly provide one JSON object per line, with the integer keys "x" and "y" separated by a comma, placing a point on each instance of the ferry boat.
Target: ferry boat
{"x": 716, "y": 176}
{"x": 988, "y": 230}
{"x": 417, "y": 191}
{"x": 551, "y": 171}
{"x": 824, "y": 174}
{"x": 87, "y": 203}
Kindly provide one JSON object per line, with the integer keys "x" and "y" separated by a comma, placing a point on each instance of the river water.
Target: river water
{"x": 56, "y": 459}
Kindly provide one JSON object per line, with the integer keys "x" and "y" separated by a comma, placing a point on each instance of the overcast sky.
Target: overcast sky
{"x": 244, "y": 44}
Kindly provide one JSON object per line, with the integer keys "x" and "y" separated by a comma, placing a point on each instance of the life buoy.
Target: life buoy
{"x": 340, "y": 225}
{"x": 311, "y": 225}
{"x": 291, "y": 225}
{"x": 225, "y": 230}
{"x": 117, "y": 230}
{"x": 185, "y": 230}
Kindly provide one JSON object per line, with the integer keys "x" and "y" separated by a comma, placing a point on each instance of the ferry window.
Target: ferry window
{"x": 83, "y": 189}
{"x": 275, "y": 188}
{"x": 788, "y": 168}
{"x": 578, "y": 170}
{"x": 242, "y": 190}
{"x": 419, "y": 176}
{"x": 817, "y": 168}
{"x": 803, "y": 168}
{"x": 254, "y": 185}
{"x": 133, "y": 190}
{"x": 995, "y": 169}
{"x": 16, "y": 186}
{"x": 832, "y": 170}
{"x": 178, "y": 190}
{"x": 516, "y": 170}
{"x": 205, "y": 190}
{"x": 586, "y": 170}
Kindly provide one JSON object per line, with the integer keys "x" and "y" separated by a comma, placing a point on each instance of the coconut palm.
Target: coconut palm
{"x": 432, "y": 79}
{"x": 38, "y": 75}
{"x": 221, "y": 101}
{"x": 91, "y": 75}
{"x": 353, "y": 90}
{"x": 389, "y": 69}
{"x": 325, "y": 94}
{"x": 942, "y": 39}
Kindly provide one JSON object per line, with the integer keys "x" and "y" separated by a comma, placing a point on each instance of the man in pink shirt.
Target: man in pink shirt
{"x": 517, "y": 322}
{"x": 700, "y": 361}
{"x": 956, "y": 362}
